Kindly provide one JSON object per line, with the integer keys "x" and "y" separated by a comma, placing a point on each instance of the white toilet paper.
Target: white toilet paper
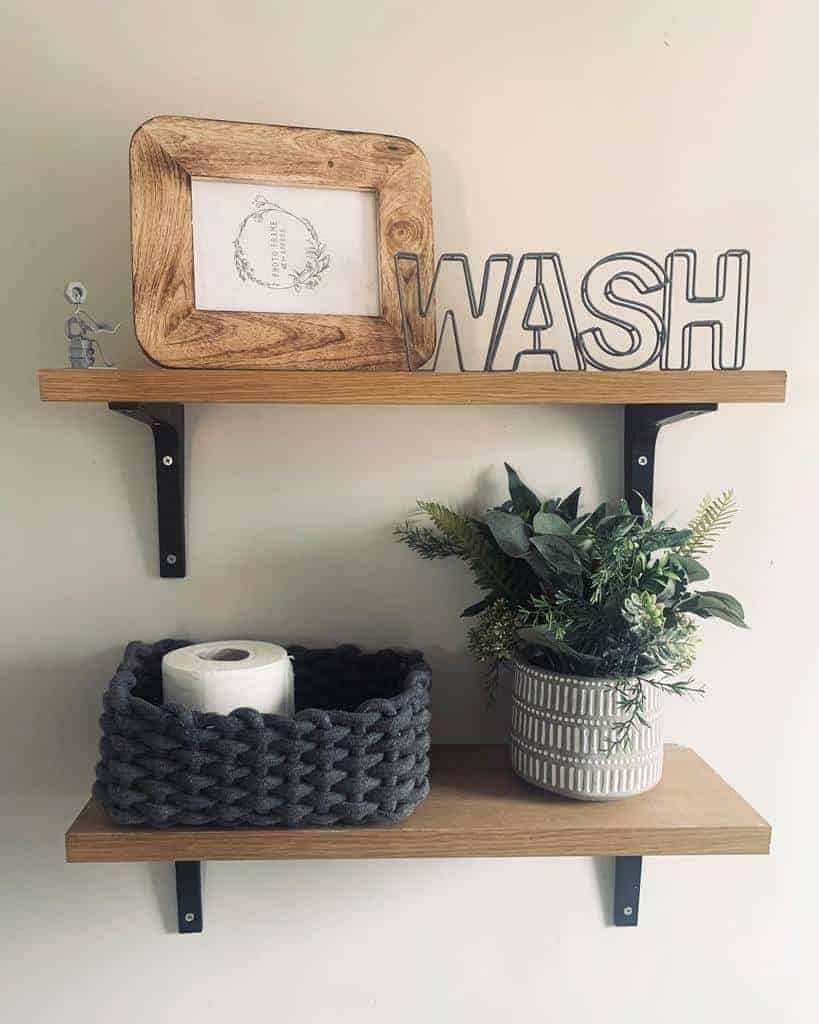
{"x": 234, "y": 674}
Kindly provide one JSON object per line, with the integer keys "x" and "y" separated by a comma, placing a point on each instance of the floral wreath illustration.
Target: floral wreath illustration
{"x": 316, "y": 257}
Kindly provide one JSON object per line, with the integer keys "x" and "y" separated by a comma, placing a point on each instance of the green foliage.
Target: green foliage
{"x": 523, "y": 501}
{"x": 425, "y": 542}
{"x": 607, "y": 594}
{"x": 462, "y": 536}
{"x": 713, "y": 516}
{"x": 493, "y": 641}
{"x": 644, "y": 615}
{"x": 631, "y": 702}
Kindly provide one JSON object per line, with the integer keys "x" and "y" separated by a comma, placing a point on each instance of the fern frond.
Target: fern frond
{"x": 426, "y": 542}
{"x": 713, "y": 516}
{"x": 458, "y": 529}
{"x": 492, "y": 570}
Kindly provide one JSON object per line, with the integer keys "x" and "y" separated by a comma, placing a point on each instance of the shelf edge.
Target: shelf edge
{"x": 396, "y": 388}
{"x": 159, "y": 845}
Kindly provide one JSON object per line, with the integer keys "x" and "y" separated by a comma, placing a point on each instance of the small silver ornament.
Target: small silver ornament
{"x": 80, "y": 329}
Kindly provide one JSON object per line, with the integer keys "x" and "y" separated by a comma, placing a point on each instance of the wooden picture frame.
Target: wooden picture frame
{"x": 168, "y": 152}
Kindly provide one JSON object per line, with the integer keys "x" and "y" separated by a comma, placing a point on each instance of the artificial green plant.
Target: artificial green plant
{"x": 608, "y": 594}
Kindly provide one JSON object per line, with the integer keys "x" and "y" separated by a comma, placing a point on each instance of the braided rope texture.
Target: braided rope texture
{"x": 355, "y": 753}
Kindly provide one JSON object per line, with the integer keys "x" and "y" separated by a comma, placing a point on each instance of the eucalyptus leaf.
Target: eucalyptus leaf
{"x": 568, "y": 507}
{"x": 539, "y": 636}
{"x": 551, "y": 523}
{"x": 726, "y": 599}
{"x": 510, "y": 532}
{"x": 666, "y": 538}
{"x": 523, "y": 499}
{"x": 712, "y": 604}
{"x": 625, "y": 528}
{"x": 596, "y": 517}
{"x": 558, "y": 553}
{"x": 540, "y": 567}
{"x": 620, "y": 526}
{"x": 726, "y": 602}
{"x": 727, "y": 616}
{"x": 695, "y": 572}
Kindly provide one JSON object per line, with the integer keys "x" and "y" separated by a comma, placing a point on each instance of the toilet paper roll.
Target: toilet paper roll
{"x": 233, "y": 674}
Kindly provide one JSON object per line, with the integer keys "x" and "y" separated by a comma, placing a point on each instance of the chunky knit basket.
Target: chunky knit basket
{"x": 355, "y": 753}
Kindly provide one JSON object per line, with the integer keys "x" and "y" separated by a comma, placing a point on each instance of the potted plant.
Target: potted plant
{"x": 598, "y": 617}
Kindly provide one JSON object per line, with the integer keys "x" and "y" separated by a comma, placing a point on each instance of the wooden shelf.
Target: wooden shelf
{"x": 390, "y": 388}
{"x": 477, "y": 808}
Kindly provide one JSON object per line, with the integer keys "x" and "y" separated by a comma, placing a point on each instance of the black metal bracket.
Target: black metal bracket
{"x": 627, "y": 877}
{"x": 167, "y": 423}
{"x": 641, "y": 425}
{"x": 189, "y": 895}
{"x": 627, "y": 874}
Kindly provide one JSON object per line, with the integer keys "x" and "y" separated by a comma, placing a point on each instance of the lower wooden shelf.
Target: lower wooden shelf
{"x": 477, "y": 808}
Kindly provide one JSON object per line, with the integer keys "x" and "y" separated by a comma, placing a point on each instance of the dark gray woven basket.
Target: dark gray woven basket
{"x": 355, "y": 753}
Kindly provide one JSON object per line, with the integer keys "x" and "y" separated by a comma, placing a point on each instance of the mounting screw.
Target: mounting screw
{"x": 643, "y": 460}
{"x": 190, "y": 917}
{"x": 628, "y": 911}
{"x": 170, "y": 559}
{"x": 167, "y": 460}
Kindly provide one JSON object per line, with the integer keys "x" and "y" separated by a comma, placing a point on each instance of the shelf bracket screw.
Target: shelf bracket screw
{"x": 627, "y": 876}
{"x": 167, "y": 460}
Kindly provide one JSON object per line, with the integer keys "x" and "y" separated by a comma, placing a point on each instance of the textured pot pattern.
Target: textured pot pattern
{"x": 561, "y": 727}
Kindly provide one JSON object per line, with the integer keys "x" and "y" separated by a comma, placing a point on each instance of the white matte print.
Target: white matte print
{"x": 270, "y": 249}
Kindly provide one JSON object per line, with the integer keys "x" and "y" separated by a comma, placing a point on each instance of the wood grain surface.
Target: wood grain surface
{"x": 259, "y": 386}
{"x": 167, "y": 152}
{"x": 477, "y": 808}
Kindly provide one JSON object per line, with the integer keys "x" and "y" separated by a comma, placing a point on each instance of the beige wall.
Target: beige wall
{"x": 581, "y": 127}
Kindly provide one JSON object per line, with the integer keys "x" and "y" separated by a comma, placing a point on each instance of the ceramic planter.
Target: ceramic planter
{"x": 561, "y": 726}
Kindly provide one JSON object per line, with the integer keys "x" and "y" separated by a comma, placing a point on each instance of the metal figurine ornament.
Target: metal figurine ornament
{"x": 80, "y": 329}
{"x": 651, "y": 309}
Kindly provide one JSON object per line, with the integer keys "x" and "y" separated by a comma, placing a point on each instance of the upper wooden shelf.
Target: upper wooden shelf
{"x": 391, "y": 388}
{"x": 476, "y": 808}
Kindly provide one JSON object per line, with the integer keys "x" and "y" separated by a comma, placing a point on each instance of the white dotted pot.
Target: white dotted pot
{"x": 562, "y": 726}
